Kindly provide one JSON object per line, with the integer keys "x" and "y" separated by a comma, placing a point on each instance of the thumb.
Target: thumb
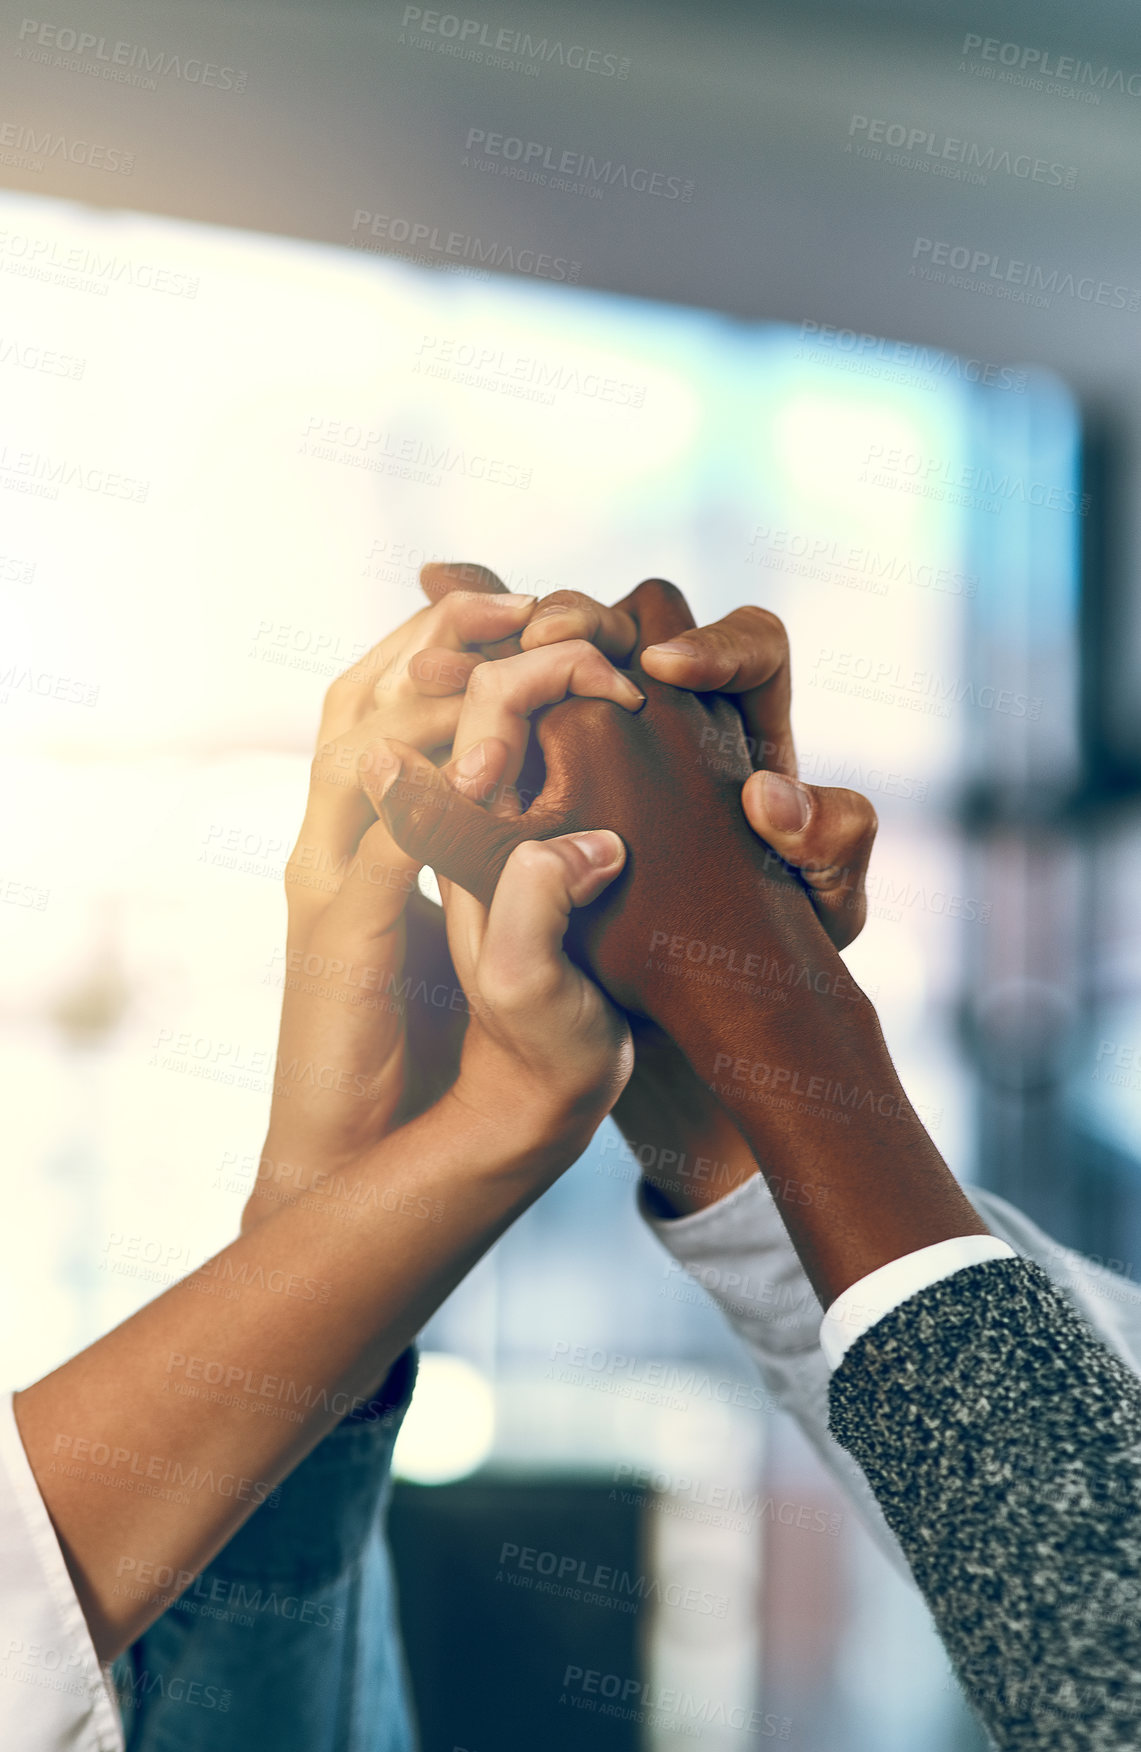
{"x": 542, "y": 882}
{"x": 826, "y": 834}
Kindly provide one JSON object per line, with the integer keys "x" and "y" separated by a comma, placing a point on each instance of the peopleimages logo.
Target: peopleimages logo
{"x": 87, "y": 270}
{"x": 555, "y": 167}
{"x": 568, "y": 1575}
{"x": 850, "y": 564}
{"x": 920, "y": 690}
{"x": 1017, "y": 64}
{"x": 407, "y": 456}
{"x": 927, "y": 149}
{"x": 123, "y": 62}
{"x": 39, "y": 147}
{"x": 29, "y": 357}
{"x": 678, "y": 1712}
{"x": 46, "y": 684}
{"x": 1004, "y": 277}
{"x": 520, "y": 374}
{"x": 895, "y": 466}
{"x": 31, "y": 471}
{"x": 447, "y": 248}
{"x": 469, "y": 38}
{"x": 935, "y": 363}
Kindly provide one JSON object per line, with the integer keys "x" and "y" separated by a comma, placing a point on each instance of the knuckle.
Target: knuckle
{"x": 485, "y": 681}
{"x": 566, "y": 599}
{"x": 661, "y": 592}
{"x": 659, "y": 609}
{"x": 858, "y": 816}
{"x": 511, "y": 992}
{"x": 824, "y": 873}
{"x": 437, "y": 667}
{"x": 584, "y": 723}
{"x": 372, "y": 759}
{"x": 534, "y": 857}
{"x": 441, "y": 617}
{"x": 835, "y": 833}
{"x": 372, "y": 682}
{"x": 765, "y": 622}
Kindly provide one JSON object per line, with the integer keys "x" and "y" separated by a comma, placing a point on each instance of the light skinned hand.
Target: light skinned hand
{"x": 541, "y": 1036}
{"x": 344, "y": 1073}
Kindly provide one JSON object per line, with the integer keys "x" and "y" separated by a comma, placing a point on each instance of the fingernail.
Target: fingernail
{"x": 471, "y": 764}
{"x": 787, "y": 804}
{"x": 599, "y": 848}
{"x": 636, "y": 695}
{"x": 677, "y": 648}
{"x": 511, "y": 601}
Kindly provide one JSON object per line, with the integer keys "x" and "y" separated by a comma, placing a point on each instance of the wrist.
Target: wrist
{"x": 857, "y": 1180}
{"x": 292, "y": 1174}
{"x": 289, "y": 1177}
{"x": 872, "y": 1184}
{"x": 521, "y": 1129}
{"x": 820, "y": 1089}
{"x": 786, "y": 1067}
{"x": 749, "y": 1011}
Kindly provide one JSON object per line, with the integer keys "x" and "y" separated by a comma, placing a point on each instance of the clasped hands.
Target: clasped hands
{"x": 391, "y": 1009}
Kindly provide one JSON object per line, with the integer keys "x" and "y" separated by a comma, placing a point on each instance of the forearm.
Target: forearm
{"x": 323, "y": 1306}
{"x": 852, "y": 1173}
{"x": 815, "y": 1096}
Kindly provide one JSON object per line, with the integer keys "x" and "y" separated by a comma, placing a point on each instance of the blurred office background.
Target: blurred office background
{"x": 784, "y": 383}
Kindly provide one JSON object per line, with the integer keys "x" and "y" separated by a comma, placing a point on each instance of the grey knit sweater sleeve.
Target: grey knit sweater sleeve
{"x": 1003, "y": 1443}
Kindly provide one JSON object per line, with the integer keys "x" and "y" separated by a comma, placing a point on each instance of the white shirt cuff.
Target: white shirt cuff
{"x": 859, "y": 1307}
{"x": 54, "y": 1695}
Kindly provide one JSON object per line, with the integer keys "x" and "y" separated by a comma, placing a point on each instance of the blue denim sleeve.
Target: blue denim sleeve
{"x": 289, "y": 1640}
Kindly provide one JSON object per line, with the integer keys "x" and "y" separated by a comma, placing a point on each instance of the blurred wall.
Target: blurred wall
{"x": 763, "y": 135}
